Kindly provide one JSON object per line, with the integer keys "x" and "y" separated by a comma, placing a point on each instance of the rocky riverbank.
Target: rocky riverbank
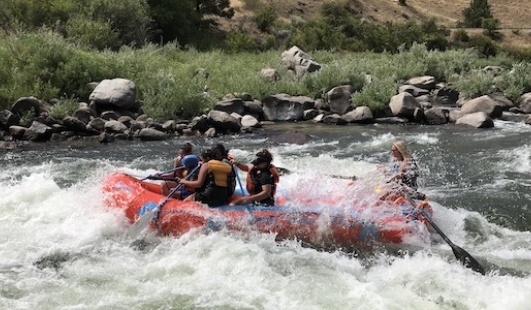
{"x": 114, "y": 112}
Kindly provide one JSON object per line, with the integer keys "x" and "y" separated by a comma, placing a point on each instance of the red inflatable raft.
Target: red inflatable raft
{"x": 313, "y": 226}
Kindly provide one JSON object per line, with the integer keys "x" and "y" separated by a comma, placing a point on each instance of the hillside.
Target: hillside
{"x": 513, "y": 14}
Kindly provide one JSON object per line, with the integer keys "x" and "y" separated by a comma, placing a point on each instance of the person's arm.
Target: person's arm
{"x": 200, "y": 178}
{"x": 266, "y": 191}
{"x": 241, "y": 166}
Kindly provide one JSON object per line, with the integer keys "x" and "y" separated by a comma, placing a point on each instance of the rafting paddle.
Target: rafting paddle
{"x": 158, "y": 176}
{"x": 146, "y": 218}
{"x": 463, "y": 256}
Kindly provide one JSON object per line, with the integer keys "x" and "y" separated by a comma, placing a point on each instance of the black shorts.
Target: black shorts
{"x": 213, "y": 196}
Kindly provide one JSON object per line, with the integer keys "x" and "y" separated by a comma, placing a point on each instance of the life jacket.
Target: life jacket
{"x": 218, "y": 173}
{"x": 251, "y": 180}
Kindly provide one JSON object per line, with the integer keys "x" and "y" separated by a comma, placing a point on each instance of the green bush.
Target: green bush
{"x": 240, "y": 42}
{"x": 376, "y": 95}
{"x": 474, "y": 84}
{"x": 92, "y": 34}
{"x": 64, "y": 107}
{"x": 516, "y": 82}
{"x": 265, "y": 18}
{"x": 476, "y": 12}
{"x": 490, "y": 28}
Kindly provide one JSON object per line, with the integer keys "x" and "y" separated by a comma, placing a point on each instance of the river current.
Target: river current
{"x": 61, "y": 248}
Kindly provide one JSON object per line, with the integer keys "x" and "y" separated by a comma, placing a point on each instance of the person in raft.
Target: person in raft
{"x": 404, "y": 170}
{"x": 212, "y": 180}
{"x": 183, "y": 165}
{"x": 226, "y": 157}
{"x": 262, "y": 178}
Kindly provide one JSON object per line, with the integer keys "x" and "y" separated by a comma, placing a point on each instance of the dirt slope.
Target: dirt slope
{"x": 511, "y": 13}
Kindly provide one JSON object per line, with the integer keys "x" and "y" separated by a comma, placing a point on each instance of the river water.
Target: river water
{"x": 61, "y": 248}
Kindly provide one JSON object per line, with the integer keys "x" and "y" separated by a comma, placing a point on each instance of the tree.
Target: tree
{"x": 476, "y": 12}
{"x": 174, "y": 19}
{"x": 490, "y": 28}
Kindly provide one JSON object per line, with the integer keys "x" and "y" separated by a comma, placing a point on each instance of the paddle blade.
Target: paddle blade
{"x": 141, "y": 224}
{"x": 467, "y": 260}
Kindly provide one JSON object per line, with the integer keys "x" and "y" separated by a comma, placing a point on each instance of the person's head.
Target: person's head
{"x": 400, "y": 150}
{"x": 185, "y": 149}
{"x": 221, "y": 148}
{"x": 209, "y": 154}
{"x": 263, "y": 159}
{"x": 190, "y": 162}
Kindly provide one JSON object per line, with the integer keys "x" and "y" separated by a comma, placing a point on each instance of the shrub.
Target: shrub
{"x": 240, "y": 42}
{"x": 490, "y": 28}
{"x": 474, "y": 84}
{"x": 167, "y": 95}
{"x": 476, "y": 12}
{"x": 64, "y": 107}
{"x": 265, "y": 18}
{"x": 376, "y": 95}
{"x": 516, "y": 82}
{"x": 92, "y": 34}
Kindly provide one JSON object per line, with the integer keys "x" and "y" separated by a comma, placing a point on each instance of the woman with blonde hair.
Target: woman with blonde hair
{"x": 405, "y": 169}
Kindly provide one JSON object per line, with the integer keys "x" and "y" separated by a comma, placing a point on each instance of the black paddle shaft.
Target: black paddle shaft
{"x": 463, "y": 256}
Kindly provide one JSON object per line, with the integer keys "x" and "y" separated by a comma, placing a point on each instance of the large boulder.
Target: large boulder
{"x": 425, "y": 82}
{"x": 151, "y": 134}
{"x": 27, "y": 105}
{"x": 7, "y": 119}
{"x": 339, "y": 99}
{"x": 299, "y": 62}
{"x": 482, "y": 104}
{"x": 120, "y": 93}
{"x": 223, "y": 122}
{"x": 436, "y": 116}
{"x": 270, "y": 75}
{"x": 283, "y": 107}
{"x": 525, "y": 103}
{"x": 405, "y": 105}
{"x": 362, "y": 115}
{"x": 38, "y": 132}
{"x": 235, "y": 105}
{"x": 477, "y": 120}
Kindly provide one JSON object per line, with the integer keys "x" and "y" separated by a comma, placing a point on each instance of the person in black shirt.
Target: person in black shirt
{"x": 262, "y": 177}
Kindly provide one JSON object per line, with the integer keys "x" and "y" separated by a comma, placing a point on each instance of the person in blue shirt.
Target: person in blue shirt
{"x": 183, "y": 165}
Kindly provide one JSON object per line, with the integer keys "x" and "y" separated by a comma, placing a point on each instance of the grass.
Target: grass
{"x": 46, "y": 66}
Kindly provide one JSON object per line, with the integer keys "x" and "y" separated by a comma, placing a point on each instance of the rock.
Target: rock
{"x": 120, "y": 93}
{"x": 223, "y": 122}
{"x": 290, "y": 137}
{"x": 150, "y": 134}
{"x": 26, "y": 105}
{"x": 84, "y": 114}
{"x": 270, "y": 75}
{"x": 426, "y": 82}
{"x": 477, "y": 120}
{"x": 235, "y": 105}
{"x": 339, "y": 99}
{"x": 436, "y": 116}
{"x": 283, "y": 107}
{"x": 361, "y": 115}
{"x": 482, "y": 104}
{"x": 405, "y": 105}
{"x": 38, "y": 132}
{"x": 8, "y": 119}
{"x": 113, "y": 126}
{"x": 250, "y": 121}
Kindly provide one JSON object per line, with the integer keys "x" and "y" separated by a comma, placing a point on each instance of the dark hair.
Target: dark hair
{"x": 221, "y": 148}
{"x": 187, "y": 148}
{"x": 266, "y": 155}
{"x": 211, "y": 153}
